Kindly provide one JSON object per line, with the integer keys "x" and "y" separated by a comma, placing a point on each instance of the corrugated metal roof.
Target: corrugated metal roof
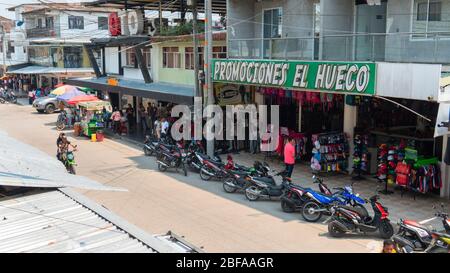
{"x": 25, "y": 166}
{"x": 53, "y": 222}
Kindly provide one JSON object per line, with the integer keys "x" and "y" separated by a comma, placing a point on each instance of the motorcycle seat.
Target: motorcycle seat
{"x": 242, "y": 168}
{"x": 361, "y": 212}
{"x": 213, "y": 160}
{"x": 266, "y": 180}
{"x": 413, "y": 223}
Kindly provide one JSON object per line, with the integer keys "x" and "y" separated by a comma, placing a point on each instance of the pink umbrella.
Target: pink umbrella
{"x": 82, "y": 98}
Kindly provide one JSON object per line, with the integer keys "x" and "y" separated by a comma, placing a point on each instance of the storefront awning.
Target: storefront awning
{"x": 37, "y": 69}
{"x": 180, "y": 94}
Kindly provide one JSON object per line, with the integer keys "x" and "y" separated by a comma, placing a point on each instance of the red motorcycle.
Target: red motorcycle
{"x": 213, "y": 168}
{"x": 347, "y": 219}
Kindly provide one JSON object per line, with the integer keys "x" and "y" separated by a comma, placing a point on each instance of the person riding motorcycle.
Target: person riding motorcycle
{"x": 63, "y": 146}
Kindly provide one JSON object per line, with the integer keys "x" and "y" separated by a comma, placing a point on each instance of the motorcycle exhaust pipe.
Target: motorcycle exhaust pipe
{"x": 208, "y": 172}
{"x": 256, "y": 192}
{"x": 162, "y": 163}
{"x": 342, "y": 226}
{"x": 231, "y": 184}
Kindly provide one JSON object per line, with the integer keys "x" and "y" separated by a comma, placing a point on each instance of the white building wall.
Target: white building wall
{"x": 90, "y": 25}
{"x": 132, "y": 73}
{"x": 112, "y": 60}
{"x": 409, "y": 81}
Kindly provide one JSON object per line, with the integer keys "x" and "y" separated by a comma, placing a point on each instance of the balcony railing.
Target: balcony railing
{"x": 42, "y": 32}
{"x": 393, "y": 47}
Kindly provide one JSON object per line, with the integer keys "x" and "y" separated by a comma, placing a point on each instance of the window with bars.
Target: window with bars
{"x": 219, "y": 52}
{"x": 171, "y": 57}
{"x": 429, "y": 18}
{"x": 146, "y": 53}
{"x": 102, "y": 23}
{"x": 76, "y": 22}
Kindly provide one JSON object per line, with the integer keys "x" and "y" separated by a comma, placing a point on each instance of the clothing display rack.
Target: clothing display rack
{"x": 330, "y": 152}
{"x": 360, "y": 156}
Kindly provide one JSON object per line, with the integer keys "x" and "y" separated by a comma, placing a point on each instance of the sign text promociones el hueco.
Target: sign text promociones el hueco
{"x": 344, "y": 77}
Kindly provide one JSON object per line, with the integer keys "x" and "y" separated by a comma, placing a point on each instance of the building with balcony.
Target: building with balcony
{"x": 54, "y": 35}
{"x": 361, "y": 67}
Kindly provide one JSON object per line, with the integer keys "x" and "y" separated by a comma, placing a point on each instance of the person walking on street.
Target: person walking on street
{"x": 289, "y": 156}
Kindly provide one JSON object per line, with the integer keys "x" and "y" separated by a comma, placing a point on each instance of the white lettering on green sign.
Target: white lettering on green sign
{"x": 340, "y": 77}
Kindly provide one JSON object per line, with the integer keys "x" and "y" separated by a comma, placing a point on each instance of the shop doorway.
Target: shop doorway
{"x": 114, "y": 99}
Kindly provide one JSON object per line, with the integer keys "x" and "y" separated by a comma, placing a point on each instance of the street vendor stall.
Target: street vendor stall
{"x": 92, "y": 116}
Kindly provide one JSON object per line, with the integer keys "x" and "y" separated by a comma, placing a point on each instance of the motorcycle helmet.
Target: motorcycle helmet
{"x": 390, "y": 158}
{"x": 391, "y": 152}
{"x": 392, "y": 165}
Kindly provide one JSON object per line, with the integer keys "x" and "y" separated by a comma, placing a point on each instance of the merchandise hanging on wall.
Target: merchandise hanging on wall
{"x": 330, "y": 152}
{"x": 360, "y": 156}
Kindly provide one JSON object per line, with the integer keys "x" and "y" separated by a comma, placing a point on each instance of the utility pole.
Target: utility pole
{"x": 208, "y": 57}
{"x": 3, "y": 49}
{"x": 196, "y": 59}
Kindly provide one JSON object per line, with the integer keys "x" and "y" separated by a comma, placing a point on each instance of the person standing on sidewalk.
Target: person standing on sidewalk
{"x": 289, "y": 156}
{"x": 115, "y": 117}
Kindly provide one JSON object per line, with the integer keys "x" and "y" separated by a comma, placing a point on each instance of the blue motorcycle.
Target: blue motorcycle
{"x": 320, "y": 203}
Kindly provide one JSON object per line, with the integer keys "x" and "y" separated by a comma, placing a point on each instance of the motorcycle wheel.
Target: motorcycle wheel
{"x": 286, "y": 207}
{"x": 334, "y": 230}
{"x": 310, "y": 213}
{"x": 60, "y": 126}
{"x": 251, "y": 196}
{"x": 227, "y": 187}
{"x": 71, "y": 169}
{"x": 184, "y": 169}
{"x": 161, "y": 167}
{"x": 203, "y": 175}
{"x": 13, "y": 99}
{"x": 148, "y": 152}
{"x": 2, "y": 101}
{"x": 386, "y": 230}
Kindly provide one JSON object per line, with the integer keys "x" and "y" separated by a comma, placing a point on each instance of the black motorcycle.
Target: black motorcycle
{"x": 418, "y": 237}
{"x": 348, "y": 219}
{"x": 172, "y": 159}
{"x": 150, "y": 145}
{"x": 264, "y": 187}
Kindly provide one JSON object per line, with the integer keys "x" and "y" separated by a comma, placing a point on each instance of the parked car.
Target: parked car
{"x": 46, "y": 104}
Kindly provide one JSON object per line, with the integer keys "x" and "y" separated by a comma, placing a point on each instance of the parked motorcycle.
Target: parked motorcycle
{"x": 172, "y": 159}
{"x": 62, "y": 121}
{"x": 214, "y": 168}
{"x": 418, "y": 237}
{"x": 347, "y": 219}
{"x": 294, "y": 198}
{"x": 8, "y": 97}
{"x": 319, "y": 203}
{"x": 262, "y": 187}
{"x": 150, "y": 145}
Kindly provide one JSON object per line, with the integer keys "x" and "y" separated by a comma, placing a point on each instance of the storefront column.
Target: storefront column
{"x": 350, "y": 116}
{"x": 445, "y": 171}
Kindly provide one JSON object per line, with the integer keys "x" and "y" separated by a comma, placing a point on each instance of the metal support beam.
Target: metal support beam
{"x": 142, "y": 65}
{"x": 198, "y": 93}
{"x": 93, "y": 61}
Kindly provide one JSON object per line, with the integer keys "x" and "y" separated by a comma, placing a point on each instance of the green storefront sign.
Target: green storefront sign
{"x": 358, "y": 78}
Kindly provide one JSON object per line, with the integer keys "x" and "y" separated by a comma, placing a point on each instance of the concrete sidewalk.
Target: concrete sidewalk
{"x": 400, "y": 207}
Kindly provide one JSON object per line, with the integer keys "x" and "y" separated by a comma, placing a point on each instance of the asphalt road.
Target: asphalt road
{"x": 157, "y": 202}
